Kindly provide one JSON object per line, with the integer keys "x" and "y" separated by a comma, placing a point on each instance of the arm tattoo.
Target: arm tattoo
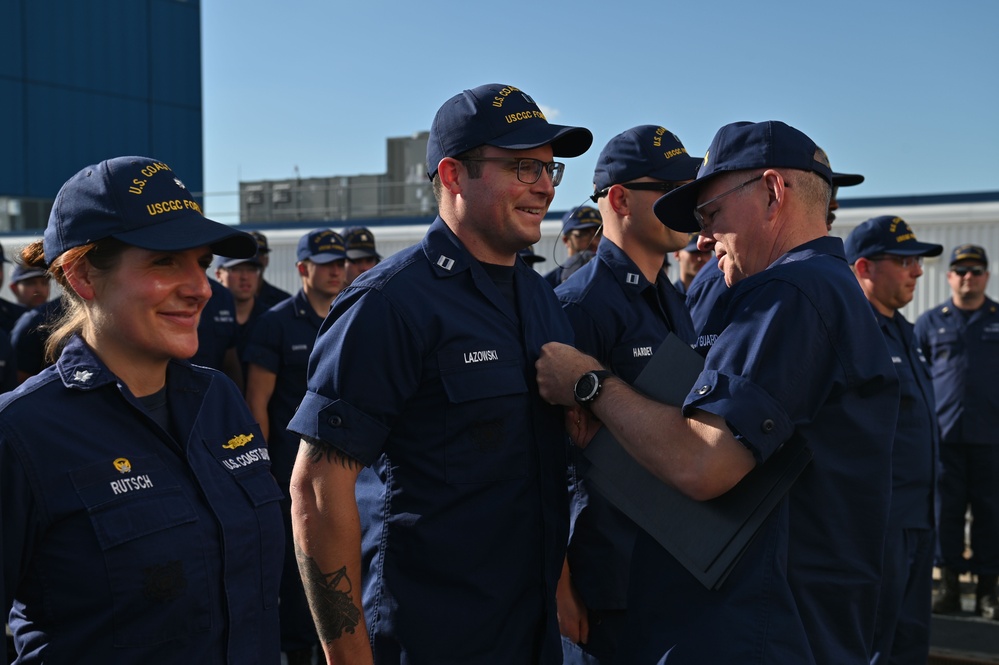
{"x": 317, "y": 450}
{"x": 329, "y": 597}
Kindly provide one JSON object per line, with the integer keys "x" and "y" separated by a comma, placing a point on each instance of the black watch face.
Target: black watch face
{"x": 586, "y": 386}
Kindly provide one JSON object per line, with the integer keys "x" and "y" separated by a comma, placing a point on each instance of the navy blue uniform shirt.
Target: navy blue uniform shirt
{"x": 963, "y": 350}
{"x": 124, "y": 543}
{"x": 425, "y": 371}
{"x": 9, "y": 314}
{"x": 271, "y": 295}
{"x": 917, "y": 437}
{"x": 705, "y": 289}
{"x": 280, "y": 342}
{"x": 620, "y": 318}
{"x": 797, "y": 354}
{"x": 29, "y": 336}
{"x": 217, "y": 328}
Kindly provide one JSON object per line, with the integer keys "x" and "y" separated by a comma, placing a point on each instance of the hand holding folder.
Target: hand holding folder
{"x": 707, "y": 537}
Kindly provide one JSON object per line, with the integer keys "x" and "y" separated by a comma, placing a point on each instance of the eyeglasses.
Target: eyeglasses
{"x": 961, "y": 271}
{"x": 663, "y": 187}
{"x": 903, "y": 261}
{"x": 697, "y": 210}
{"x": 528, "y": 170}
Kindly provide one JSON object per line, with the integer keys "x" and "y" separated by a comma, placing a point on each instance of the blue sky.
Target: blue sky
{"x": 904, "y": 92}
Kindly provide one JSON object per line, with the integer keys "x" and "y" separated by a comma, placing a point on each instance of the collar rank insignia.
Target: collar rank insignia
{"x": 82, "y": 376}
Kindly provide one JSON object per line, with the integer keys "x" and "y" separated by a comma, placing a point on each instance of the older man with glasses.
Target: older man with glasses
{"x": 960, "y": 339}
{"x": 793, "y": 358}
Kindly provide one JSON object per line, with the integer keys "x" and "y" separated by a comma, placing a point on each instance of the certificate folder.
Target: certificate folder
{"x": 706, "y": 537}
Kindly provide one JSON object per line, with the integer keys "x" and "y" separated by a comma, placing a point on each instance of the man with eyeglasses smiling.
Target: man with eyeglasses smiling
{"x": 449, "y": 547}
{"x": 793, "y": 359}
{"x": 887, "y": 260}
{"x": 960, "y": 339}
{"x": 621, "y": 306}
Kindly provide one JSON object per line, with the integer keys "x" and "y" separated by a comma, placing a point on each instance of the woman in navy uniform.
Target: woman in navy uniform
{"x": 140, "y": 521}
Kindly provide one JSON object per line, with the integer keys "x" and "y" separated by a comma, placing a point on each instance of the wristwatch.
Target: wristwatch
{"x": 588, "y": 387}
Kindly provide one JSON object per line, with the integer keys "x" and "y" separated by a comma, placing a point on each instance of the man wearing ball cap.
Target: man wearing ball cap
{"x": 960, "y": 339}
{"x": 621, "y": 306}
{"x": 887, "y": 260}
{"x": 422, "y": 372}
{"x": 794, "y": 359}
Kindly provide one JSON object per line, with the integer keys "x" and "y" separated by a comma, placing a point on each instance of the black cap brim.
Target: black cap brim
{"x": 565, "y": 141}
{"x": 846, "y": 179}
{"x": 676, "y": 209}
{"x": 188, "y": 232}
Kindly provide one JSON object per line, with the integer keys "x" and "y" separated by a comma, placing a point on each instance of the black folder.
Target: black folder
{"x": 706, "y": 537}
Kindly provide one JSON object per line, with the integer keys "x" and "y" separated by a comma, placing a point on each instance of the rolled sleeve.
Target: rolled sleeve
{"x": 753, "y": 415}
{"x": 337, "y": 423}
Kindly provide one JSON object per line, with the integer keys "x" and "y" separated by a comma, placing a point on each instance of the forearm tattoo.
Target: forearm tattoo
{"x": 329, "y": 597}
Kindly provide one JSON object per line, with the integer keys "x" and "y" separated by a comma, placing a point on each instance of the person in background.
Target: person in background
{"x": 30, "y": 286}
{"x": 242, "y": 278}
{"x": 805, "y": 589}
{"x": 689, "y": 260}
{"x": 269, "y": 294}
{"x": 530, "y": 257}
{"x": 140, "y": 522}
{"x": 621, "y": 307}
{"x": 887, "y": 260}
{"x": 217, "y": 333}
{"x": 361, "y": 253}
{"x": 422, "y": 372}
{"x": 960, "y": 339}
{"x": 581, "y": 236}
{"x": 9, "y": 312}
{"x": 29, "y": 336}
{"x": 277, "y": 359}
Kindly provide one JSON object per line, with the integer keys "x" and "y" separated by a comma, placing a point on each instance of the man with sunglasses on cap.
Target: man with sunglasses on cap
{"x": 423, "y": 371}
{"x": 960, "y": 339}
{"x": 621, "y": 306}
{"x": 581, "y": 237}
{"x": 887, "y": 260}
{"x": 795, "y": 358}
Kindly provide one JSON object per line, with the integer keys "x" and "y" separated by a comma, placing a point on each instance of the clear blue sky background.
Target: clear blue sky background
{"x": 905, "y": 92}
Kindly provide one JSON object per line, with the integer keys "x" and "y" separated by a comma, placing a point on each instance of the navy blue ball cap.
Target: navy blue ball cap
{"x": 502, "y": 116}
{"x": 886, "y": 235}
{"x": 742, "y": 146}
{"x": 321, "y": 246}
{"x": 969, "y": 253}
{"x": 141, "y": 202}
{"x": 529, "y": 257}
{"x": 644, "y": 151}
{"x": 583, "y": 217}
{"x": 22, "y": 272}
{"x": 360, "y": 243}
{"x": 232, "y": 262}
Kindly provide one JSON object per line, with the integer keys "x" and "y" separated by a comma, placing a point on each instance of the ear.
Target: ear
{"x": 80, "y": 275}
{"x": 776, "y": 191}
{"x": 863, "y": 268}
{"x": 13, "y": 289}
{"x": 302, "y": 270}
{"x": 617, "y": 196}
{"x": 449, "y": 170}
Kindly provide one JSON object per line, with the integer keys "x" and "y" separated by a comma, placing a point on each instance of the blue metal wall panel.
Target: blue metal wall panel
{"x": 83, "y": 81}
{"x": 11, "y": 40}
{"x": 69, "y": 129}
{"x": 170, "y": 71}
{"x": 12, "y": 177}
{"x": 96, "y": 46}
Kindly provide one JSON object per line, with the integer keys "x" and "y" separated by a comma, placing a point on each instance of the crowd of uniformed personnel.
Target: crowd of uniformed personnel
{"x": 424, "y": 417}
